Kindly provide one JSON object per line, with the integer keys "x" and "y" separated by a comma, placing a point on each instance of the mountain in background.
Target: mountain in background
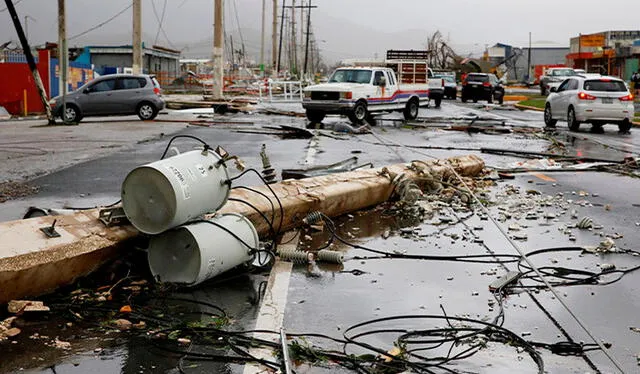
{"x": 338, "y": 39}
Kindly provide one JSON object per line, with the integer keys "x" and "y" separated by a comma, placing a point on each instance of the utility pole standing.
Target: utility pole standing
{"x": 293, "y": 58}
{"x": 264, "y": 14}
{"x": 218, "y": 50}
{"x": 30, "y": 60}
{"x": 274, "y": 37}
{"x": 529, "y": 61}
{"x": 63, "y": 54}
{"x": 137, "y": 37}
{"x": 281, "y": 32}
{"x": 306, "y": 49}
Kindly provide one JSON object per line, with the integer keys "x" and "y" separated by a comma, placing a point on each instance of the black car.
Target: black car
{"x": 481, "y": 86}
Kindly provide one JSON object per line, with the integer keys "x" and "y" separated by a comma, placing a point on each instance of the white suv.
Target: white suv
{"x": 595, "y": 100}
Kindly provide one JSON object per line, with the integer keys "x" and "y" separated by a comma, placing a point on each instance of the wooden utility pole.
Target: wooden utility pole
{"x": 274, "y": 37}
{"x": 137, "y": 37}
{"x": 264, "y": 15}
{"x": 63, "y": 54}
{"x": 294, "y": 45}
{"x": 281, "y": 34}
{"x": 306, "y": 48}
{"x": 218, "y": 50}
{"x": 30, "y": 60}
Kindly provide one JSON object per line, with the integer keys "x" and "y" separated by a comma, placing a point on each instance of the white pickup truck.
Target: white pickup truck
{"x": 362, "y": 91}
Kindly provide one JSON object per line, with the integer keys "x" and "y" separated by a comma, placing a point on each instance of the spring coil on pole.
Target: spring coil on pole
{"x": 294, "y": 255}
{"x": 334, "y": 257}
{"x": 312, "y": 218}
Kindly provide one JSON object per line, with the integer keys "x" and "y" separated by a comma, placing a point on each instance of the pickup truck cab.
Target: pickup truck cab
{"x": 362, "y": 91}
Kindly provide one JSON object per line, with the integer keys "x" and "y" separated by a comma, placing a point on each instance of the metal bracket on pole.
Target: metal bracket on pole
{"x": 50, "y": 231}
{"x": 113, "y": 216}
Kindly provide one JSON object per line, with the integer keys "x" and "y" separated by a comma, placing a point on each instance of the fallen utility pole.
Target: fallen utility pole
{"x": 30, "y": 61}
{"x": 43, "y": 253}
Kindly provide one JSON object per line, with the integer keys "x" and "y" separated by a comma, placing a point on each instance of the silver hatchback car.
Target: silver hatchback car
{"x": 117, "y": 94}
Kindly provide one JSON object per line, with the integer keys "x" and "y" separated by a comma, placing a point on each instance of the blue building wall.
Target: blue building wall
{"x": 79, "y": 74}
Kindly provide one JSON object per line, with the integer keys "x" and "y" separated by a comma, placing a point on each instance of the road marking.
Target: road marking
{"x": 314, "y": 143}
{"x": 271, "y": 313}
{"x": 544, "y": 177}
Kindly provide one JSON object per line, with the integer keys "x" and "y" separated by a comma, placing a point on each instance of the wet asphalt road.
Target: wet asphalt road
{"x": 328, "y": 299}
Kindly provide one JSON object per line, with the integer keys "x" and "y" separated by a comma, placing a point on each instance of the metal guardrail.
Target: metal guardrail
{"x": 282, "y": 91}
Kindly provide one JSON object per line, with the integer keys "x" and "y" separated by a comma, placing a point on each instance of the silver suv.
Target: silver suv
{"x": 117, "y": 94}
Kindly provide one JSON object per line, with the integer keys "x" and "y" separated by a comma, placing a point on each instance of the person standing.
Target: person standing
{"x": 636, "y": 82}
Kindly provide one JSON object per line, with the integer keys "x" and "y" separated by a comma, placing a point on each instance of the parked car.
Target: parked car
{"x": 450, "y": 85}
{"x": 482, "y": 86}
{"x": 553, "y": 77}
{"x": 595, "y": 100}
{"x": 117, "y": 94}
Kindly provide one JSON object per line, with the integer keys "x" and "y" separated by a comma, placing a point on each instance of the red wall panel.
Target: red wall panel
{"x": 15, "y": 78}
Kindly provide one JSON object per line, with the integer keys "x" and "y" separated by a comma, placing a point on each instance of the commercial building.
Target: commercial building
{"x": 160, "y": 61}
{"x": 515, "y": 60}
{"x": 609, "y": 52}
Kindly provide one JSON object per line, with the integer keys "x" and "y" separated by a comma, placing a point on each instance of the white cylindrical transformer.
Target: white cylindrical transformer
{"x": 167, "y": 193}
{"x": 199, "y": 251}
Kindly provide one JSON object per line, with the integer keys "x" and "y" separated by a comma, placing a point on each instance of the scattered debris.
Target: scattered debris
{"x": 26, "y": 306}
{"x": 12, "y": 190}
{"x": 4, "y": 115}
{"x": 122, "y": 324}
{"x": 349, "y": 164}
{"x": 60, "y": 344}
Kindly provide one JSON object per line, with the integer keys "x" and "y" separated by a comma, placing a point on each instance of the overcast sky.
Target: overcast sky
{"x": 346, "y": 27}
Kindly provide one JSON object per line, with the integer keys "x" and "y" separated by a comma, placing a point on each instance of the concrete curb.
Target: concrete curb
{"x": 515, "y": 97}
{"x": 526, "y": 107}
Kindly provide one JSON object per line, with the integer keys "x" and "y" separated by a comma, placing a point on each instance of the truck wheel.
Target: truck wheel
{"x": 437, "y": 100}
{"x": 359, "y": 113}
{"x": 574, "y": 125}
{"x": 411, "y": 110}
{"x": 463, "y": 98}
{"x": 315, "y": 116}
{"x": 371, "y": 120}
